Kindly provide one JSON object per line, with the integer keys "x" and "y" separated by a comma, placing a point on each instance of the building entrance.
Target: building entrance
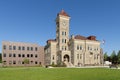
{"x": 66, "y": 58}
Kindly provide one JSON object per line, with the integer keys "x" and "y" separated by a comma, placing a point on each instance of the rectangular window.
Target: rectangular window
{"x": 4, "y": 47}
{"x": 62, "y": 40}
{"x": 19, "y": 55}
{"x": 31, "y": 62}
{"x": 10, "y": 62}
{"x": 23, "y": 48}
{"x": 10, "y": 47}
{"x": 65, "y": 40}
{"x": 4, "y": 55}
{"x": 36, "y": 48}
{"x": 77, "y": 47}
{"x": 97, "y": 56}
{"x": 14, "y": 55}
{"x": 28, "y": 48}
{"x": 19, "y": 48}
{"x": 97, "y": 49}
{"x": 65, "y": 48}
{"x": 65, "y": 33}
{"x": 80, "y": 47}
{"x": 14, "y": 47}
{"x": 23, "y": 62}
{"x": 80, "y": 56}
{"x": 36, "y": 55}
{"x": 4, "y": 62}
{"x": 27, "y": 55}
{"x": 31, "y": 55}
{"x": 77, "y": 56}
{"x": 14, "y": 62}
{"x": 94, "y": 56}
{"x": 31, "y": 48}
{"x": 91, "y": 53}
{"x": 53, "y": 57}
{"x": 10, "y": 55}
{"x": 36, "y": 62}
{"x": 62, "y": 32}
{"x": 23, "y": 55}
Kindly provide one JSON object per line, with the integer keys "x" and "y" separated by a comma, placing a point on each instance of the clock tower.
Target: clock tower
{"x": 62, "y": 30}
{"x": 75, "y": 51}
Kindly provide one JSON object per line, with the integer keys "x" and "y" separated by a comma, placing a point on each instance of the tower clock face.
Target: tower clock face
{"x": 64, "y": 23}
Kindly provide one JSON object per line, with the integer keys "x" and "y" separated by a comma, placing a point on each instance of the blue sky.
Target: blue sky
{"x": 34, "y": 20}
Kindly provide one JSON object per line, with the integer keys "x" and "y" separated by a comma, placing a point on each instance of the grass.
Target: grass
{"x": 37, "y": 73}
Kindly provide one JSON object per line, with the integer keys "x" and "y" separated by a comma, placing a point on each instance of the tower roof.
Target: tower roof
{"x": 63, "y": 13}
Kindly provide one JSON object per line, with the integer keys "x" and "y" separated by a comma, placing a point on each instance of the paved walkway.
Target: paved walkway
{"x": 91, "y": 67}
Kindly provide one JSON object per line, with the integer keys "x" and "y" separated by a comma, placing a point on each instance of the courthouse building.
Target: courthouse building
{"x": 15, "y": 54}
{"x": 76, "y": 50}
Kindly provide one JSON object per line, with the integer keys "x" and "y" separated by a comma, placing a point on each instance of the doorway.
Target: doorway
{"x": 66, "y": 58}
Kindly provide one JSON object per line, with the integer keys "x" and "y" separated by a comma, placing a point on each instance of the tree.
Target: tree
{"x": 105, "y": 57}
{"x": 118, "y": 56}
{"x": 114, "y": 57}
{"x": 26, "y": 61}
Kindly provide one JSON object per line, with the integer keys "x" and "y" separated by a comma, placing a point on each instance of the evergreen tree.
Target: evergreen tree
{"x": 105, "y": 57}
{"x": 118, "y": 56}
{"x": 114, "y": 57}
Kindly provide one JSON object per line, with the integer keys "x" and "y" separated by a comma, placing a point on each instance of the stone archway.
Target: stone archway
{"x": 66, "y": 58}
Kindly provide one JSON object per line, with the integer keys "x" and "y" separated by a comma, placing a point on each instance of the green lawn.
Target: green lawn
{"x": 36, "y": 73}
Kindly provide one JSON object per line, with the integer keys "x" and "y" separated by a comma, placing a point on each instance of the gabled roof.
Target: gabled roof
{"x": 85, "y": 38}
{"x": 91, "y": 37}
{"x": 63, "y": 13}
{"x": 80, "y": 37}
